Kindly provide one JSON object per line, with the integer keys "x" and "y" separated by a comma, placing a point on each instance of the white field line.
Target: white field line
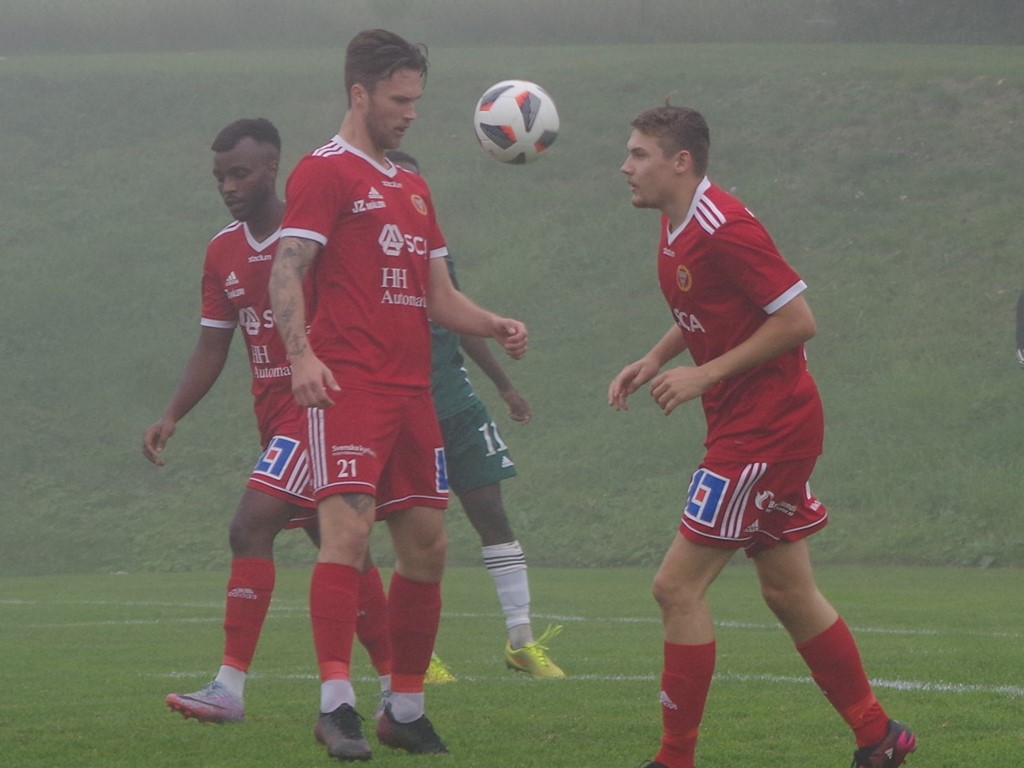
{"x": 300, "y": 611}
{"x": 1010, "y": 691}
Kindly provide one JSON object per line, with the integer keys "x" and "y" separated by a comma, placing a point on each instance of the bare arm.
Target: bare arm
{"x": 788, "y": 327}
{"x": 201, "y": 371}
{"x": 480, "y": 353}
{"x": 452, "y": 309}
{"x": 636, "y": 374}
{"x": 310, "y": 377}
{"x": 294, "y": 255}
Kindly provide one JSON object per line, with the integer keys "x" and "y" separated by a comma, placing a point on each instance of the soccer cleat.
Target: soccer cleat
{"x": 651, "y": 764}
{"x": 212, "y": 704}
{"x": 533, "y": 657}
{"x": 417, "y": 737}
{"x": 1020, "y": 356}
{"x": 438, "y": 673}
{"x": 889, "y": 752}
{"x": 342, "y": 733}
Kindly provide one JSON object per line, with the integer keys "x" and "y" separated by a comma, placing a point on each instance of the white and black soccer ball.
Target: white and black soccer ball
{"x": 515, "y": 121}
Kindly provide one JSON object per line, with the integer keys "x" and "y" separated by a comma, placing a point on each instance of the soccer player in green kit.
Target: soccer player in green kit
{"x": 477, "y": 460}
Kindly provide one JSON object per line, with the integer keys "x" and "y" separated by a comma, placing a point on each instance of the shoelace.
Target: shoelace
{"x": 350, "y": 726}
{"x": 549, "y": 633}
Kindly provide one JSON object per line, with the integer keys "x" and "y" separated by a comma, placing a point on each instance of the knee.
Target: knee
{"x": 784, "y": 600}
{"x": 434, "y": 549}
{"x": 425, "y": 561}
{"x": 671, "y": 596}
{"x": 247, "y": 539}
{"x": 349, "y": 546}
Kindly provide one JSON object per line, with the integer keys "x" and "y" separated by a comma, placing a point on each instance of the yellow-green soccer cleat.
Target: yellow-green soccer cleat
{"x": 438, "y": 673}
{"x": 533, "y": 657}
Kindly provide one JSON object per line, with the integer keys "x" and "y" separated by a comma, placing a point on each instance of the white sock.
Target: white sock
{"x": 385, "y": 683}
{"x": 334, "y": 693}
{"x": 507, "y": 566}
{"x": 406, "y": 707}
{"x": 233, "y": 679}
{"x": 520, "y": 635}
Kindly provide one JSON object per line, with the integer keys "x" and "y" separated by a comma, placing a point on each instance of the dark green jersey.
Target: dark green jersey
{"x": 449, "y": 382}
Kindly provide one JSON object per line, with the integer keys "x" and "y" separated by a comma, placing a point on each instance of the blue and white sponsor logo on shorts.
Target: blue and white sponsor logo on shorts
{"x": 441, "y": 470}
{"x": 275, "y": 460}
{"x": 705, "y": 497}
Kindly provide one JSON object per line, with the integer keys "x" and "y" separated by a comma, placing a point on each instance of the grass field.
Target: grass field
{"x": 88, "y": 660}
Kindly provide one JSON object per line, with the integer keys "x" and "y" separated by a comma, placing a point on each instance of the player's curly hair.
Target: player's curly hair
{"x": 376, "y": 54}
{"x": 677, "y": 128}
{"x": 257, "y": 128}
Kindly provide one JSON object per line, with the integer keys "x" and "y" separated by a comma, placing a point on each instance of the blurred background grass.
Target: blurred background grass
{"x": 888, "y": 174}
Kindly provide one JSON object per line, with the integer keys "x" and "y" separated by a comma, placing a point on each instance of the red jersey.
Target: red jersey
{"x": 367, "y": 308}
{"x": 236, "y": 277}
{"x": 722, "y": 277}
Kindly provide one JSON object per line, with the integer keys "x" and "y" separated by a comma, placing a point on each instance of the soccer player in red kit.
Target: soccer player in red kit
{"x": 740, "y": 312}
{"x": 278, "y": 495}
{"x": 364, "y": 233}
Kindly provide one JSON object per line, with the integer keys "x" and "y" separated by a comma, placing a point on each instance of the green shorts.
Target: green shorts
{"x": 475, "y": 454}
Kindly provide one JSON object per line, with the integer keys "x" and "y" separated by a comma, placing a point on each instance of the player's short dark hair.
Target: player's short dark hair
{"x": 677, "y": 128}
{"x": 376, "y": 54}
{"x": 398, "y": 157}
{"x": 257, "y": 128}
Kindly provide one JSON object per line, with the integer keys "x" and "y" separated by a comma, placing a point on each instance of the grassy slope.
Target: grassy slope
{"x": 889, "y": 176}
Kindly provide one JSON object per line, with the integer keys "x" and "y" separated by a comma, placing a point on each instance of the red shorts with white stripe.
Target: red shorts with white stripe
{"x": 385, "y": 446}
{"x": 751, "y": 506}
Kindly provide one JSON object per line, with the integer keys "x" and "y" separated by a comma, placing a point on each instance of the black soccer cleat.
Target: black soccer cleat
{"x": 417, "y": 737}
{"x": 890, "y": 752}
{"x": 341, "y": 731}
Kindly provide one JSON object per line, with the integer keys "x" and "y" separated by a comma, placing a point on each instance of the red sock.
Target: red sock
{"x": 414, "y": 610}
{"x": 372, "y": 626}
{"x": 836, "y": 667}
{"x": 250, "y": 587}
{"x": 685, "y": 681}
{"x": 333, "y": 602}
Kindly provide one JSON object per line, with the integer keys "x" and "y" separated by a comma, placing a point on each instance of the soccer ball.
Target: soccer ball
{"x": 515, "y": 121}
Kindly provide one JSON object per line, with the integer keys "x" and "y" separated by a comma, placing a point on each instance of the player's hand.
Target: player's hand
{"x": 512, "y": 336}
{"x": 677, "y": 386}
{"x": 312, "y": 381}
{"x": 518, "y": 408}
{"x": 155, "y": 438}
{"x": 629, "y": 380}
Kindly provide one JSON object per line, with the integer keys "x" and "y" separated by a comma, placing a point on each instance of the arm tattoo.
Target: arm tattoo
{"x": 294, "y": 255}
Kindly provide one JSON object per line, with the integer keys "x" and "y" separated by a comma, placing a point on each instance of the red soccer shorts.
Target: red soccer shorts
{"x": 751, "y": 506}
{"x": 282, "y": 470}
{"x": 385, "y": 446}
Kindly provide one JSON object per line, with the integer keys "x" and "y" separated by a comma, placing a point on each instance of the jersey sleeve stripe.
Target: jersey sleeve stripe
{"x": 799, "y": 287}
{"x": 708, "y": 216}
{"x": 208, "y": 322}
{"x": 229, "y": 228}
{"x": 711, "y": 210}
{"x": 305, "y": 234}
{"x": 334, "y": 147}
